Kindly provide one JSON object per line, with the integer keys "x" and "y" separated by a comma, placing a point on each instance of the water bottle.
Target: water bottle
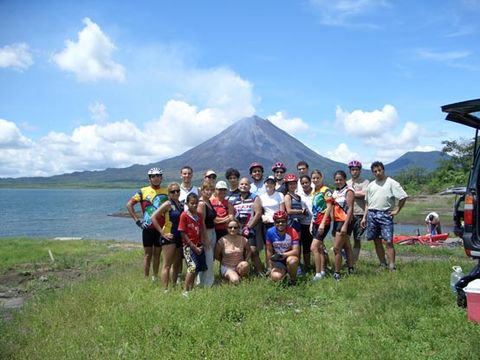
{"x": 456, "y": 275}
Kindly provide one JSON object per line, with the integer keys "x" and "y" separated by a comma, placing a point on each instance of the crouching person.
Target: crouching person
{"x": 283, "y": 248}
{"x": 233, "y": 252}
{"x": 192, "y": 229}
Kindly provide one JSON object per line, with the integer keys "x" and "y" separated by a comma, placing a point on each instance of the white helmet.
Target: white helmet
{"x": 155, "y": 171}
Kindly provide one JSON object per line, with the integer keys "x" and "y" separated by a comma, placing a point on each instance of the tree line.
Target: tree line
{"x": 452, "y": 171}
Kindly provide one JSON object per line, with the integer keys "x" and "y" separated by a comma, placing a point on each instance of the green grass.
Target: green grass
{"x": 32, "y": 252}
{"x": 417, "y": 208}
{"x": 116, "y": 313}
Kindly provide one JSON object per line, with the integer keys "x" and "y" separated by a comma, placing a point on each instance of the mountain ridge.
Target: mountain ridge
{"x": 247, "y": 140}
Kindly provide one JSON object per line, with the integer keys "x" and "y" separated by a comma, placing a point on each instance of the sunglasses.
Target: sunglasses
{"x": 174, "y": 191}
{"x": 279, "y": 171}
{"x": 280, "y": 222}
{"x": 156, "y": 175}
{"x": 212, "y": 176}
{"x": 233, "y": 227}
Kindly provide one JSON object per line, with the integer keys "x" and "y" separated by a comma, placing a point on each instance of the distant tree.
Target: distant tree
{"x": 455, "y": 170}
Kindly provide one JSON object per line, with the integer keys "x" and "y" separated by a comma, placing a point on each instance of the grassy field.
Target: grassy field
{"x": 110, "y": 311}
{"x": 417, "y": 207}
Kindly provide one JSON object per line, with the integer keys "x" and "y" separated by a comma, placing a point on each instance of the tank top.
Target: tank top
{"x": 232, "y": 255}
{"x": 294, "y": 219}
{"x": 210, "y": 215}
{"x": 174, "y": 213}
{"x": 340, "y": 207}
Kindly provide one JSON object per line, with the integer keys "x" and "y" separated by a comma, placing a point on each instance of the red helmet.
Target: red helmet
{"x": 254, "y": 165}
{"x": 280, "y": 215}
{"x": 279, "y": 165}
{"x": 290, "y": 178}
{"x": 355, "y": 163}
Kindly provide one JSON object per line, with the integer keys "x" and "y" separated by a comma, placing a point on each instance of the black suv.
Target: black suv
{"x": 468, "y": 113}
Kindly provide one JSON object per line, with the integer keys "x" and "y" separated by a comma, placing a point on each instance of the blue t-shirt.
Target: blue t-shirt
{"x": 282, "y": 243}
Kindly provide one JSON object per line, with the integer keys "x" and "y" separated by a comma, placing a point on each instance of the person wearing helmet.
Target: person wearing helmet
{"x": 283, "y": 249}
{"x": 359, "y": 185}
{"x": 279, "y": 170}
{"x": 293, "y": 203}
{"x": 150, "y": 198}
{"x": 256, "y": 173}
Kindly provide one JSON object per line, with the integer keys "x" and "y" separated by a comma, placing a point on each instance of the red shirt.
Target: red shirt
{"x": 191, "y": 227}
{"x": 221, "y": 208}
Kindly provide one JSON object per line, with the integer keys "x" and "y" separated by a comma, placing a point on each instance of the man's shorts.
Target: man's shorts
{"x": 337, "y": 226}
{"x": 151, "y": 237}
{"x": 318, "y": 236}
{"x": 195, "y": 262}
{"x": 379, "y": 225}
{"x": 358, "y": 231}
{"x": 281, "y": 265}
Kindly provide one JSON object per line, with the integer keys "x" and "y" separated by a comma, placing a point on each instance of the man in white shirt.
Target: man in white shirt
{"x": 186, "y": 186}
{"x": 381, "y": 199}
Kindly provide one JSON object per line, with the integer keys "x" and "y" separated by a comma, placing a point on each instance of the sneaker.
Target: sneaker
{"x": 299, "y": 271}
{"x": 319, "y": 276}
{"x": 154, "y": 278}
{"x": 351, "y": 270}
{"x": 185, "y": 294}
{"x": 336, "y": 276}
{"x": 291, "y": 282}
{"x": 393, "y": 268}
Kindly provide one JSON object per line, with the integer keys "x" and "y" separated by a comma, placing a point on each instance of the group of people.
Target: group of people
{"x": 287, "y": 214}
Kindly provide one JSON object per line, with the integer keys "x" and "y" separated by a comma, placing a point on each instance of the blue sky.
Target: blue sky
{"x": 90, "y": 85}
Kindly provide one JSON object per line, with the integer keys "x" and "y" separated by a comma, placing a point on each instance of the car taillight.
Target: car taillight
{"x": 468, "y": 210}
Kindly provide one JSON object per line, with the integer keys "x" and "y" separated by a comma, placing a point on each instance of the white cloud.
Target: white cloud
{"x": 345, "y": 12}
{"x": 90, "y": 57}
{"x": 16, "y": 56}
{"x": 11, "y": 137}
{"x": 364, "y": 124}
{"x": 98, "y": 112}
{"x": 109, "y": 144}
{"x": 342, "y": 154}
{"x": 446, "y": 56}
{"x": 290, "y": 125}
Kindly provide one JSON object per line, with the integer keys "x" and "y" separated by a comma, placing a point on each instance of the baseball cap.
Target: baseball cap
{"x": 221, "y": 185}
{"x": 269, "y": 178}
{"x": 210, "y": 172}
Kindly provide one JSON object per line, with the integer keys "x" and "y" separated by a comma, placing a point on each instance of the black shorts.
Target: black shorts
{"x": 318, "y": 236}
{"x": 358, "y": 231}
{"x": 175, "y": 241}
{"x": 306, "y": 238}
{"x": 281, "y": 265}
{"x": 151, "y": 237}
{"x": 337, "y": 225}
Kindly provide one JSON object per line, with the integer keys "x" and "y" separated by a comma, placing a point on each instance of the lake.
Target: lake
{"x": 66, "y": 213}
{"x": 85, "y": 213}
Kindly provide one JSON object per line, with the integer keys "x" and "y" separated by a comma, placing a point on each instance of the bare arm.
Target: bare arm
{"x": 399, "y": 207}
{"x": 219, "y": 249}
{"x": 350, "y": 197}
{"x": 269, "y": 255}
{"x": 257, "y": 213}
{"x": 247, "y": 252}
{"x": 161, "y": 212}
{"x": 131, "y": 210}
{"x": 294, "y": 251}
